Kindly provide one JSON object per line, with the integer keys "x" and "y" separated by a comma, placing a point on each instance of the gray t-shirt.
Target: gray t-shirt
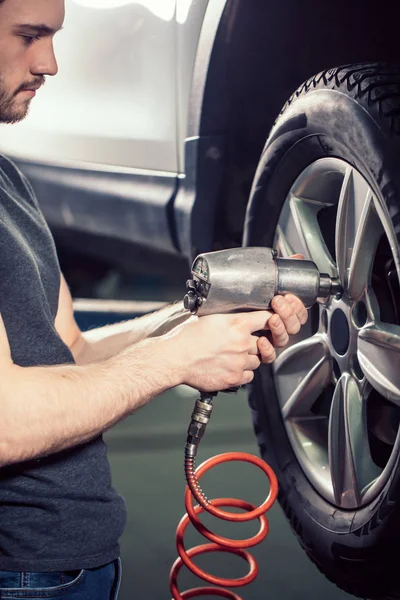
{"x": 59, "y": 512}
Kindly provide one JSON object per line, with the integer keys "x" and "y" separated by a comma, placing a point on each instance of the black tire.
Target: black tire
{"x": 352, "y": 113}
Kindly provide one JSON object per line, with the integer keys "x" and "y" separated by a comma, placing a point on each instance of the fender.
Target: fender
{"x": 194, "y": 205}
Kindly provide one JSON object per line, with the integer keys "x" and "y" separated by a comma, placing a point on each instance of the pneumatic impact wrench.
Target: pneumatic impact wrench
{"x": 238, "y": 280}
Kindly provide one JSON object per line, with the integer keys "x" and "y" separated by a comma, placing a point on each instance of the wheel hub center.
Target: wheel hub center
{"x": 340, "y": 332}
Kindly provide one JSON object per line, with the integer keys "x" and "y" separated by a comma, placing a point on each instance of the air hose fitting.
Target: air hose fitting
{"x": 199, "y": 420}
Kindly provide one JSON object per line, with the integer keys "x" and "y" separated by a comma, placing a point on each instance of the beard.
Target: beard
{"x": 12, "y": 109}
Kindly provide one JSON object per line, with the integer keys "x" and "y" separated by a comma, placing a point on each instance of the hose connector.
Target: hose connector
{"x": 200, "y": 417}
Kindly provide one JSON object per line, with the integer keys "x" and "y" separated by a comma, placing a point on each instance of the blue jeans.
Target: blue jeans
{"x": 88, "y": 584}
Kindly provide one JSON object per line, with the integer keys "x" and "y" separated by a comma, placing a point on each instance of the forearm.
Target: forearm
{"x": 104, "y": 342}
{"x": 48, "y": 409}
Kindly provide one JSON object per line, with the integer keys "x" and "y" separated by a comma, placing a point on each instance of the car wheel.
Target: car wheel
{"x": 327, "y": 412}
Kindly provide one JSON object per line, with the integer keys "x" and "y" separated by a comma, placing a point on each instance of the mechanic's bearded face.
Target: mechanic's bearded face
{"x": 27, "y": 29}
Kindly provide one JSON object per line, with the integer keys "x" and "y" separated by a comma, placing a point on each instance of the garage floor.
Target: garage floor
{"x": 146, "y": 455}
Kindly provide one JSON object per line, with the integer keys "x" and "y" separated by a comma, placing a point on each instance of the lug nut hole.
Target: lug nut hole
{"x": 339, "y": 332}
{"x": 360, "y": 314}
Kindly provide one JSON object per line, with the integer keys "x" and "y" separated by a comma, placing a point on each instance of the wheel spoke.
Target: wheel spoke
{"x": 367, "y": 237}
{"x": 301, "y": 373}
{"x": 354, "y": 214}
{"x": 351, "y": 465}
{"x": 311, "y": 242}
{"x": 379, "y": 356}
{"x": 282, "y": 243}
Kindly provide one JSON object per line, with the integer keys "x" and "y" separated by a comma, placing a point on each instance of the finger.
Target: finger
{"x": 284, "y": 309}
{"x": 253, "y": 345}
{"x": 298, "y": 307}
{"x": 267, "y": 351}
{"x": 253, "y": 363}
{"x": 248, "y": 377}
{"x": 297, "y": 256}
{"x": 280, "y": 337}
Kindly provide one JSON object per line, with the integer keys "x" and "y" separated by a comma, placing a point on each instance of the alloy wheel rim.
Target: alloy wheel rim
{"x": 347, "y": 358}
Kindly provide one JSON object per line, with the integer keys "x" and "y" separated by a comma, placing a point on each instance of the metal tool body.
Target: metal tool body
{"x": 243, "y": 279}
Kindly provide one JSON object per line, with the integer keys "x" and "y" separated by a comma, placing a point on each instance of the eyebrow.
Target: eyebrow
{"x": 39, "y": 29}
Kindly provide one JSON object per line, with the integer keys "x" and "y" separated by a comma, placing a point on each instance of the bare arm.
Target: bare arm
{"x": 47, "y": 409}
{"x": 105, "y": 342}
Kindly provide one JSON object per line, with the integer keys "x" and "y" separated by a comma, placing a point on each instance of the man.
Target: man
{"x": 60, "y": 518}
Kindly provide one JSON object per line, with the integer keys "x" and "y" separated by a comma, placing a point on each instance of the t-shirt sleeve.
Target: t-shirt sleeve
{"x": 17, "y": 180}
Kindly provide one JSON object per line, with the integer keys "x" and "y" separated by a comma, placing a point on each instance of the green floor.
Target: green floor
{"x": 146, "y": 455}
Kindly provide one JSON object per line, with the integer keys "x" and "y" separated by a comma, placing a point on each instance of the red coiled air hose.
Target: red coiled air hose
{"x": 220, "y": 544}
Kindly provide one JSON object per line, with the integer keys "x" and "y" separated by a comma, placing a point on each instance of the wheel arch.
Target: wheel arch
{"x": 261, "y": 53}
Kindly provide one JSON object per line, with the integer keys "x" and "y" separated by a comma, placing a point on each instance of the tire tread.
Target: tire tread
{"x": 373, "y": 85}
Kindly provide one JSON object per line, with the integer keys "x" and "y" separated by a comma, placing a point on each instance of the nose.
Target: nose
{"x": 44, "y": 62}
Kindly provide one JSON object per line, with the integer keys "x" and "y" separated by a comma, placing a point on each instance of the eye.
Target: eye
{"x": 29, "y": 39}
